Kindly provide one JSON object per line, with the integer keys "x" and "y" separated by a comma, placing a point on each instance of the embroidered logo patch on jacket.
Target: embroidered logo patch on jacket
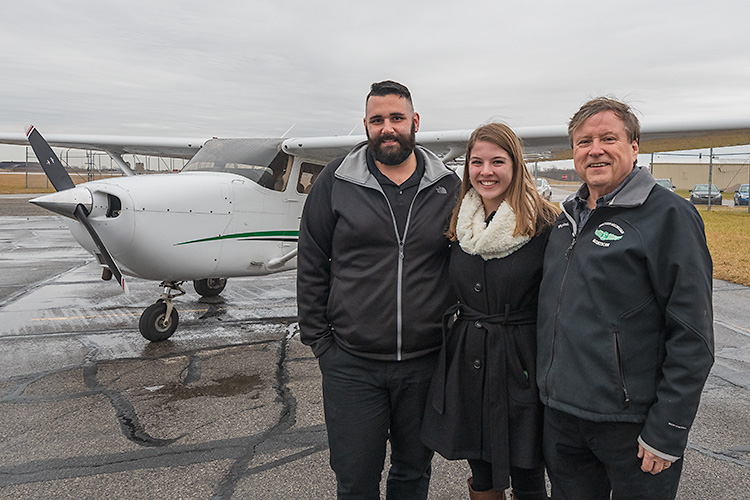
{"x": 606, "y": 233}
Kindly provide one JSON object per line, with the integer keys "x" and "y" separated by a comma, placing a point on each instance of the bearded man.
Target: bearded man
{"x": 371, "y": 290}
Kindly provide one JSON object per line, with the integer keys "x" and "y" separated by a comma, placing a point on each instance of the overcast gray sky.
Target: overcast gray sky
{"x": 255, "y": 68}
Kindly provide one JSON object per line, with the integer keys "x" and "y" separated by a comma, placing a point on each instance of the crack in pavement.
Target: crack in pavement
{"x": 192, "y": 371}
{"x": 145, "y": 458}
{"x": 155, "y": 453}
{"x": 130, "y": 424}
{"x": 730, "y": 455}
{"x": 286, "y": 420}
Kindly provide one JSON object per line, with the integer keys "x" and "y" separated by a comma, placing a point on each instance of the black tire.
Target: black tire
{"x": 209, "y": 287}
{"x": 152, "y": 324}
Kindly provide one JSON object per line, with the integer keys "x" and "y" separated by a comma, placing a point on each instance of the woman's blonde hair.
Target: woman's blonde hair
{"x": 532, "y": 211}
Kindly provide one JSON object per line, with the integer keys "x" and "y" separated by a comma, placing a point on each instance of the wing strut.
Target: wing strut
{"x": 274, "y": 264}
{"x": 120, "y": 163}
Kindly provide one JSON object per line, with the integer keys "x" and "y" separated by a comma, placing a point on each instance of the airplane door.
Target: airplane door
{"x": 260, "y": 229}
{"x": 305, "y": 174}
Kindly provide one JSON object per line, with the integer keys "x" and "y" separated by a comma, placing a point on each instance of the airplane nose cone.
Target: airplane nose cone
{"x": 65, "y": 202}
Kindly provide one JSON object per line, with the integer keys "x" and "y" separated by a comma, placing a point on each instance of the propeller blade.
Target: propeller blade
{"x": 61, "y": 181}
{"x": 48, "y": 159}
{"x": 83, "y": 216}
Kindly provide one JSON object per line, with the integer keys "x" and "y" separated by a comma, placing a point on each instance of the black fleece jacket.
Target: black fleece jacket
{"x": 359, "y": 284}
{"x": 625, "y": 324}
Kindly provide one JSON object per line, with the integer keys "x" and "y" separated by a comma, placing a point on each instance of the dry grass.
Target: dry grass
{"x": 728, "y": 236}
{"x": 20, "y": 183}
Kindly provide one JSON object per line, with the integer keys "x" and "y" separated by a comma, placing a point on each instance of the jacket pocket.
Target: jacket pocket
{"x": 639, "y": 337}
{"x": 621, "y": 369}
{"x": 521, "y": 370}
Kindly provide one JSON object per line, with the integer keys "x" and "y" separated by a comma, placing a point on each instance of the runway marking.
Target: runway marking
{"x": 94, "y": 316}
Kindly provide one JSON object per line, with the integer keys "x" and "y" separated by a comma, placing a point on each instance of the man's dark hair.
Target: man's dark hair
{"x": 389, "y": 87}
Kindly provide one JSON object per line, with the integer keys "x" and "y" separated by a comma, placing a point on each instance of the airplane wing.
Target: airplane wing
{"x": 540, "y": 143}
{"x": 170, "y": 147}
{"x": 662, "y": 137}
{"x": 446, "y": 144}
{"x": 546, "y": 143}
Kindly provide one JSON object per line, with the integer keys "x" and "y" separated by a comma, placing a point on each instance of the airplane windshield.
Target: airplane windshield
{"x": 259, "y": 160}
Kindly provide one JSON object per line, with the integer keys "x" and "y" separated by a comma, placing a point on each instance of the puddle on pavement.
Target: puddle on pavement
{"x": 220, "y": 388}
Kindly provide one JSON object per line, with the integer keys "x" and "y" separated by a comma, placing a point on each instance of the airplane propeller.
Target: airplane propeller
{"x": 70, "y": 206}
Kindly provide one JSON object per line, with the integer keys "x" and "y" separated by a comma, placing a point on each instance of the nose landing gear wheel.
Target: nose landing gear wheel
{"x": 155, "y": 325}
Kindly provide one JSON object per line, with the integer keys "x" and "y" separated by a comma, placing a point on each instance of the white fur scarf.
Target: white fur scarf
{"x": 490, "y": 241}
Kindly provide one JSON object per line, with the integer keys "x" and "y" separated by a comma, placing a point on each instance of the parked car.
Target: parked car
{"x": 543, "y": 188}
{"x": 741, "y": 195}
{"x": 667, "y": 183}
{"x": 699, "y": 195}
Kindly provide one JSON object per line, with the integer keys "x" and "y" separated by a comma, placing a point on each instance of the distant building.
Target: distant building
{"x": 726, "y": 176}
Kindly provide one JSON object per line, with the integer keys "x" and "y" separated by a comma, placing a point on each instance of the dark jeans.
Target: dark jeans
{"x": 367, "y": 402}
{"x": 588, "y": 460}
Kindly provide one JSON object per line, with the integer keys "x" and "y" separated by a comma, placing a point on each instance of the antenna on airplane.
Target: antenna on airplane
{"x": 288, "y": 130}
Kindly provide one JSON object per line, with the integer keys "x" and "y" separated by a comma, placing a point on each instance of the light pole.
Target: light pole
{"x": 710, "y": 174}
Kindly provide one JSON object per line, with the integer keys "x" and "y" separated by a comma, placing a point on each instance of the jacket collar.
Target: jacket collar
{"x": 633, "y": 194}
{"x": 354, "y": 167}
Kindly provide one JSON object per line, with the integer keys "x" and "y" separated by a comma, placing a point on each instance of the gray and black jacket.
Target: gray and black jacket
{"x": 625, "y": 323}
{"x": 359, "y": 284}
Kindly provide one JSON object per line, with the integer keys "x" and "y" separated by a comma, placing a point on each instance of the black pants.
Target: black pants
{"x": 528, "y": 484}
{"x": 367, "y": 402}
{"x": 588, "y": 460}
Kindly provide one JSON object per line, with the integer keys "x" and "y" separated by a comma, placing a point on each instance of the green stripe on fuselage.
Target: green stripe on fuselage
{"x": 259, "y": 235}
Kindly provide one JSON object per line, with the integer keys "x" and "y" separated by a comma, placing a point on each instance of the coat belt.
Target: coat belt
{"x": 492, "y": 322}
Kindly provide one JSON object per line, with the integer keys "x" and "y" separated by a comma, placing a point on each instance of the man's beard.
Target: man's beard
{"x": 392, "y": 155}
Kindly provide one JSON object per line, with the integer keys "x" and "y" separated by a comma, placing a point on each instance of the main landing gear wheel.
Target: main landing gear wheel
{"x": 155, "y": 325}
{"x": 209, "y": 287}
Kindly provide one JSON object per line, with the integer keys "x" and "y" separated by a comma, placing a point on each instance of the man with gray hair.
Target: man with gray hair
{"x": 625, "y": 324}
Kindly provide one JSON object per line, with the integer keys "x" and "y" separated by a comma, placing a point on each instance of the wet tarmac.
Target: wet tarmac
{"x": 230, "y": 406}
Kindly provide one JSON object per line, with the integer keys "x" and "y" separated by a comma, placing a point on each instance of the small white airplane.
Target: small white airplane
{"x": 234, "y": 209}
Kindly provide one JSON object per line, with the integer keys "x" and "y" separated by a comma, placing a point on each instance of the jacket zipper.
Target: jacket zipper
{"x": 573, "y": 228}
{"x": 574, "y": 234}
{"x": 400, "y": 274}
{"x": 401, "y": 246}
{"x": 626, "y": 394}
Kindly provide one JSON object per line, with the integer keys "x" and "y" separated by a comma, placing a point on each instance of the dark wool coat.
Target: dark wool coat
{"x": 484, "y": 402}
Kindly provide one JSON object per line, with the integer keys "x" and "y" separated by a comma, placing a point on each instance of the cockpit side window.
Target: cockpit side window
{"x": 308, "y": 173}
{"x": 279, "y": 168}
{"x": 235, "y": 156}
